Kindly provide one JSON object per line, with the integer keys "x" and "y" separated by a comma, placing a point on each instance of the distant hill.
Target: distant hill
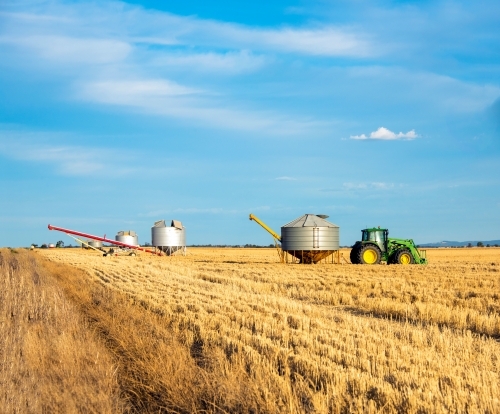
{"x": 447, "y": 243}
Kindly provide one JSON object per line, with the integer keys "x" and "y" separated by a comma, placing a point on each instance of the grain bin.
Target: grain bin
{"x": 127, "y": 237}
{"x": 310, "y": 238}
{"x": 96, "y": 244}
{"x": 169, "y": 239}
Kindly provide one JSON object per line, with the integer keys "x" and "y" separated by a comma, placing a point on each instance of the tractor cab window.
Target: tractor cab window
{"x": 377, "y": 236}
{"x": 367, "y": 235}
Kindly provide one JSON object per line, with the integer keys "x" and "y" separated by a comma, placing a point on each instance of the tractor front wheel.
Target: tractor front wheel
{"x": 404, "y": 257}
{"x": 369, "y": 254}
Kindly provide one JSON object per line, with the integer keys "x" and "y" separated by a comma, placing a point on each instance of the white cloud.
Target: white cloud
{"x": 133, "y": 91}
{"x": 355, "y": 186}
{"x": 387, "y": 135}
{"x": 136, "y": 25}
{"x": 202, "y": 210}
{"x": 110, "y": 56}
{"x": 326, "y": 40}
{"x": 432, "y": 91}
{"x": 115, "y": 53}
{"x": 229, "y": 63}
{"x": 166, "y": 98}
{"x": 369, "y": 186}
{"x": 72, "y": 50}
{"x": 286, "y": 178}
{"x": 323, "y": 41}
{"x": 65, "y": 159}
{"x": 56, "y": 152}
{"x": 382, "y": 186}
{"x": 362, "y": 136}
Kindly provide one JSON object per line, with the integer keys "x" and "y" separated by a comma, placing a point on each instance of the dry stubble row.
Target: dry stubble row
{"x": 50, "y": 361}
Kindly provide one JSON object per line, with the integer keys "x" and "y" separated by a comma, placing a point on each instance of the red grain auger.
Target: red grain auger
{"x": 103, "y": 239}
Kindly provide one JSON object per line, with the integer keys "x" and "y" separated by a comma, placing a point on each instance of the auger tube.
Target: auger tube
{"x": 103, "y": 239}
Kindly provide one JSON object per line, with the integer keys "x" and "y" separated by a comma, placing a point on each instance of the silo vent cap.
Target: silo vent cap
{"x": 127, "y": 233}
{"x": 177, "y": 224}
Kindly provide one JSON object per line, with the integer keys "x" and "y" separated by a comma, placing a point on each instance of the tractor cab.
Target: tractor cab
{"x": 376, "y": 235}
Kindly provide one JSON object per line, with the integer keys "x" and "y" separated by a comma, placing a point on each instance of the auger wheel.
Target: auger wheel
{"x": 369, "y": 254}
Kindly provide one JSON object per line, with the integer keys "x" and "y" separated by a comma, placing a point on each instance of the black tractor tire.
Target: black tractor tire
{"x": 403, "y": 256}
{"x": 369, "y": 254}
{"x": 354, "y": 255}
{"x": 390, "y": 259}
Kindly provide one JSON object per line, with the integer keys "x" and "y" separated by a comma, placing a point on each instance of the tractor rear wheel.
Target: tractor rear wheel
{"x": 369, "y": 254}
{"x": 404, "y": 257}
{"x": 354, "y": 255}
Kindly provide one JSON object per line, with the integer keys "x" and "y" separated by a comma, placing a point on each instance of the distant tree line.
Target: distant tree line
{"x": 59, "y": 244}
{"x": 479, "y": 244}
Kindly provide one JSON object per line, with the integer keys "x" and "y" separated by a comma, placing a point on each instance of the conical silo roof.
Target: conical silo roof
{"x": 310, "y": 220}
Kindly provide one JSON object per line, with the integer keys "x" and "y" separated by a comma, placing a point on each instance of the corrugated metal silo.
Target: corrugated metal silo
{"x": 169, "y": 239}
{"x": 310, "y": 238}
{"x": 95, "y": 243}
{"x": 128, "y": 237}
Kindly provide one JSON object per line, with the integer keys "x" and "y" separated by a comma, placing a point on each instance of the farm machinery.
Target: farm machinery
{"x": 119, "y": 247}
{"x": 276, "y": 237}
{"x": 376, "y": 246}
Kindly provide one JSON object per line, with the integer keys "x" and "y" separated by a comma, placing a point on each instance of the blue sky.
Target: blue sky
{"x": 116, "y": 114}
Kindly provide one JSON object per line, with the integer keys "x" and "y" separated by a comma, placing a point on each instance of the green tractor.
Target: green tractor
{"x": 376, "y": 246}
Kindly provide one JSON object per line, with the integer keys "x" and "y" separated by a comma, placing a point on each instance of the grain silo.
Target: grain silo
{"x": 169, "y": 239}
{"x": 97, "y": 244}
{"x": 310, "y": 238}
{"x": 128, "y": 237}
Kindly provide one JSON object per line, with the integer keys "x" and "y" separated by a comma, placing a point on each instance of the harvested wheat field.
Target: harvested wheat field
{"x": 232, "y": 330}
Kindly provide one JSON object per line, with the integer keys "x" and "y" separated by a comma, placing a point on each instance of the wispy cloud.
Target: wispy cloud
{"x": 65, "y": 159}
{"x": 68, "y": 50}
{"x": 369, "y": 186}
{"x": 421, "y": 187}
{"x": 386, "y": 135}
{"x": 234, "y": 62}
{"x": 432, "y": 90}
{"x": 99, "y": 46}
{"x": 124, "y": 22}
{"x": 128, "y": 92}
{"x": 162, "y": 97}
{"x": 286, "y": 178}
{"x": 382, "y": 186}
{"x": 60, "y": 153}
{"x": 110, "y": 55}
{"x": 320, "y": 41}
{"x": 203, "y": 210}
